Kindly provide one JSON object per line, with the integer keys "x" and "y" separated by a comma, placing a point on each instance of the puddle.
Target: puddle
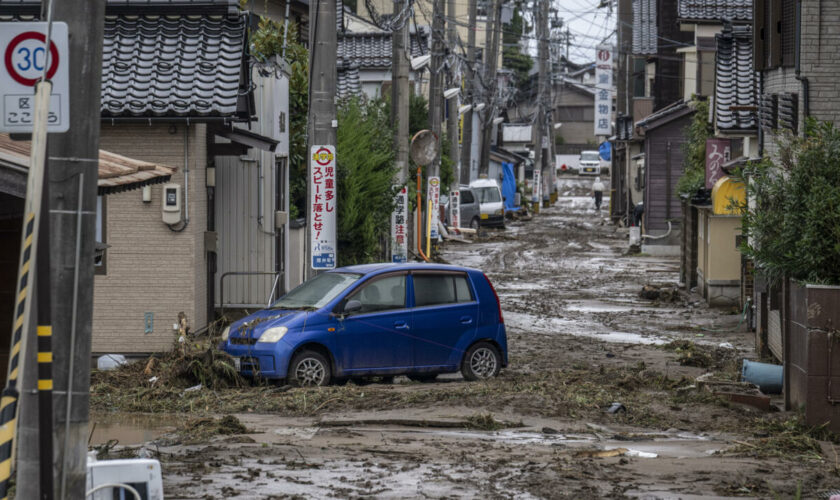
{"x": 130, "y": 428}
{"x": 596, "y": 306}
{"x": 565, "y": 326}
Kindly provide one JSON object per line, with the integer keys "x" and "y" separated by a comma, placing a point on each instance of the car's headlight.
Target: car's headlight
{"x": 499, "y": 212}
{"x": 225, "y": 333}
{"x": 273, "y": 334}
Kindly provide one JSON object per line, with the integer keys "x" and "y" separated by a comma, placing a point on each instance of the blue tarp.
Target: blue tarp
{"x": 605, "y": 149}
{"x": 509, "y": 186}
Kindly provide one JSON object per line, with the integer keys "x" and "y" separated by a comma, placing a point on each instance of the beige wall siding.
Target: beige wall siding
{"x": 149, "y": 267}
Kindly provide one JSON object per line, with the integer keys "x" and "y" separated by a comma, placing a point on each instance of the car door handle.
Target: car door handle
{"x": 466, "y": 320}
{"x": 402, "y": 325}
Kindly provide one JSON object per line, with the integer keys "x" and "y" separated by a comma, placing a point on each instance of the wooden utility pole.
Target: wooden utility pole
{"x": 436, "y": 83}
{"x": 73, "y": 174}
{"x": 321, "y": 120}
{"x": 453, "y": 103}
{"x": 469, "y": 98}
{"x": 400, "y": 94}
{"x": 542, "y": 57}
{"x": 494, "y": 31}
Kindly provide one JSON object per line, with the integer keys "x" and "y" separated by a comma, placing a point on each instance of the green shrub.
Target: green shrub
{"x": 365, "y": 174}
{"x": 694, "y": 149}
{"x": 794, "y": 223}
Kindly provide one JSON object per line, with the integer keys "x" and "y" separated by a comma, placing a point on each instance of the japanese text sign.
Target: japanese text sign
{"x": 603, "y": 90}
{"x": 399, "y": 227}
{"x": 322, "y": 206}
{"x": 434, "y": 195}
{"x": 717, "y": 153}
{"x": 455, "y": 208}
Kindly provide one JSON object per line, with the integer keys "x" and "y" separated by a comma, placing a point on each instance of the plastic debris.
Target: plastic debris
{"x": 110, "y": 361}
{"x": 616, "y": 408}
{"x": 193, "y": 388}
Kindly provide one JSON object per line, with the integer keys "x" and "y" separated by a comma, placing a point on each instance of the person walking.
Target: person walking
{"x": 598, "y": 192}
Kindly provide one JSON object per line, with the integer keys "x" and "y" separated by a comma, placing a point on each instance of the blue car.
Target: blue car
{"x": 418, "y": 320}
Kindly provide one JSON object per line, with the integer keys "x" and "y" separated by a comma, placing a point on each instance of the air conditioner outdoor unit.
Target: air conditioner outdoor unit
{"x": 120, "y": 479}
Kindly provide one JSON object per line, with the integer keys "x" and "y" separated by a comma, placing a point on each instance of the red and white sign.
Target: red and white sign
{"x": 455, "y": 208}
{"x": 22, "y": 47}
{"x": 604, "y": 90}
{"x": 536, "y": 188}
{"x": 322, "y": 208}
{"x": 434, "y": 195}
{"x": 717, "y": 153}
{"x": 399, "y": 227}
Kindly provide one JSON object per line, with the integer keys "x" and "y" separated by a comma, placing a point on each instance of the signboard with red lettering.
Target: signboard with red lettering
{"x": 536, "y": 188}
{"x": 399, "y": 227}
{"x": 434, "y": 195}
{"x": 455, "y": 208}
{"x": 603, "y": 89}
{"x": 322, "y": 207}
{"x": 717, "y": 153}
{"x": 22, "y": 47}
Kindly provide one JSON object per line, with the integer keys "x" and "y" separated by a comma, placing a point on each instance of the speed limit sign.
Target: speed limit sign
{"x": 24, "y": 58}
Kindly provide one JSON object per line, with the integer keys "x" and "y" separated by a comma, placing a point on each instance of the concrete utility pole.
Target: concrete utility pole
{"x": 469, "y": 98}
{"x": 542, "y": 57}
{"x": 453, "y": 103}
{"x": 400, "y": 94}
{"x": 73, "y": 174}
{"x": 323, "y": 45}
{"x": 436, "y": 83}
{"x": 494, "y": 31}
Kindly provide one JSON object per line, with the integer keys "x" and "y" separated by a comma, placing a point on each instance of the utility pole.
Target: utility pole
{"x": 400, "y": 94}
{"x": 469, "y": 87}
{"x": 323, "y": 45}
{"x": 452, "y": 103}
{"x": 436, "y": 83}
{"x": 73, "y": 174}
{"x": 494, "y": 31}
{"x": 542, "y": 57}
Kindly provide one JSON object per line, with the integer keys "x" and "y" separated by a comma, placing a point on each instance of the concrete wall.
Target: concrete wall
{"x": 719, "y": 261}
{"x": 150, "y": 268}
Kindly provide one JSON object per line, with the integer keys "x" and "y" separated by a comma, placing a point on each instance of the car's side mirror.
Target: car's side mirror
{"x": 352, "y": 306}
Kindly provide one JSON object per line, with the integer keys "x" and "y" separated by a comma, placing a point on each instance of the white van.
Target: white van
{"x": 490, "y": 202}
{"x": 590, "y": 163}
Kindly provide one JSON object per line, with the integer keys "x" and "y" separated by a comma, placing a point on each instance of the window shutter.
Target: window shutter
{"x": 759, "y": 38}
{"x": 788, "y": 33}
{"x": 775, "y": 34}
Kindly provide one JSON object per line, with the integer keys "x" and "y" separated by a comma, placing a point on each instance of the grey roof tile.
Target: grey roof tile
{"x": 735, "y": 78}
{"x": 716, "y": 10}
{"x": 644, "y": 27}
{"x": 171, "y": 65}
{"x": 348, "y": 83}
{"x": 373, "y": 50}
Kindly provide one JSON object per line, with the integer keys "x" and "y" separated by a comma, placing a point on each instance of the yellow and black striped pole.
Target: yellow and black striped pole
{"x": 23, "y": 307}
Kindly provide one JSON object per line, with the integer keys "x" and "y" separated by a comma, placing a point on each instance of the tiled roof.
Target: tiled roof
{"x": 665, "y": 115}
{"x": 735, "y": 80}
{"x": 373, "y": 50}
{"x": 116, "y": 172}
{"x": 176, "y": 65}
{"x": 348, "y": 80}
{"x": 716, "y": 10}
{"x": 644, "y": 27}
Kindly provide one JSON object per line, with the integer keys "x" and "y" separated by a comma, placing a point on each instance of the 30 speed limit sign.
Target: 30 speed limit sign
{"x": 24, "y": 58}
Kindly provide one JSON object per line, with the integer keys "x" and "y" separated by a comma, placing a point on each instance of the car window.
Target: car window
{"x": 589, "y": 157}
{"x": 436, "y": 289}
{"x": 317, "y": 292}
{"x": 488, "y": 194}
{"x": 467, "y": 197}
{"x": 382, "y": 294}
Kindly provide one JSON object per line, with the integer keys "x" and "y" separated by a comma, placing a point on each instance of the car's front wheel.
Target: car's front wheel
{"x": 474, "y": 223}
{"x": 309, "y": 368}
{"x": 481, "y": 362}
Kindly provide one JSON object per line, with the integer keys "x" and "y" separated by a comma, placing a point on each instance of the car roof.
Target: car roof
{"x": 483, "y": 183}
{"x": 369, "y": 269}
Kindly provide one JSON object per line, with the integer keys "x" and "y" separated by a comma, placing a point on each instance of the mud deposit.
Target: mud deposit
{"x": 580, "y": 339}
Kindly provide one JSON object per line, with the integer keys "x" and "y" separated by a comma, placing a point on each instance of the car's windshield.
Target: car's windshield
{"x": 589, "y": 157}
{"x": 317, "y": 292}
{"x": 487, "y": 194}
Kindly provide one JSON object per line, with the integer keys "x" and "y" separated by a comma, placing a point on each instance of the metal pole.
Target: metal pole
{"x": 73, "y": 154}
{"x": 452, "y": 104}
{"x": 44, "y": 329}
{"x": 436, "y": 83}
{"x": 542, "y": 57}
{"x": 469, "y": 97}
{"x": 494, "y": 30}
{"x": 322, "y": 89}
{"x": 400, "y": 94}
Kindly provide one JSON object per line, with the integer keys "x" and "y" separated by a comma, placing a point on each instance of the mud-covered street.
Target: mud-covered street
{"x": 580, "y": 338}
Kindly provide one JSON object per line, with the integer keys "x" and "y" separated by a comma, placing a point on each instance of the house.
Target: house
{"x": 118, "y": 176}
{"x": 179, "y": 88}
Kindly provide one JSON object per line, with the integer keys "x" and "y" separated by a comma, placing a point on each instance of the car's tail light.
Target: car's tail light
{"x": 498, "y": 303}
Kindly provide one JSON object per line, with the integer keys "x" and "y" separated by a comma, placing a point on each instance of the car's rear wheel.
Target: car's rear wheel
{"x": 423, "y": 377}
{"x": 309, "y": 368}
{"x": 474, "y": 223}
{"x": 481, "y": 362}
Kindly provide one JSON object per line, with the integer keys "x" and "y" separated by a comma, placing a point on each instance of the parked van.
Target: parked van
{"x": 490, "y": 201}
{"x": 418, "y": 320}
{"x": 469, "y": 210}
{"x": 590, "y": 163}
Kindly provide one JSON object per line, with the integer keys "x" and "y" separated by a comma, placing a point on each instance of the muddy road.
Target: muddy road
{"x": 580, "y": 339}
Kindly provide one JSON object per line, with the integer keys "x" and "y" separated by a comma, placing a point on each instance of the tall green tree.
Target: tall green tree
{"x": 512, "y": 56}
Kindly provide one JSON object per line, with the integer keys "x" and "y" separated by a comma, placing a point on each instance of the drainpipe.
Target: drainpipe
{"x": 806, "y": 101}
{"x": 186, "y": 221}
{"x": 211, "y": 250}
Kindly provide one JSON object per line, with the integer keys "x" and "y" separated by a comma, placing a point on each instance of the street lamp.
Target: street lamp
{"x": 450, "y": 93}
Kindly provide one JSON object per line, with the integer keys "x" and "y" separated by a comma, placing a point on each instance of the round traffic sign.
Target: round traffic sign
{"x": 25, "y": 58}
